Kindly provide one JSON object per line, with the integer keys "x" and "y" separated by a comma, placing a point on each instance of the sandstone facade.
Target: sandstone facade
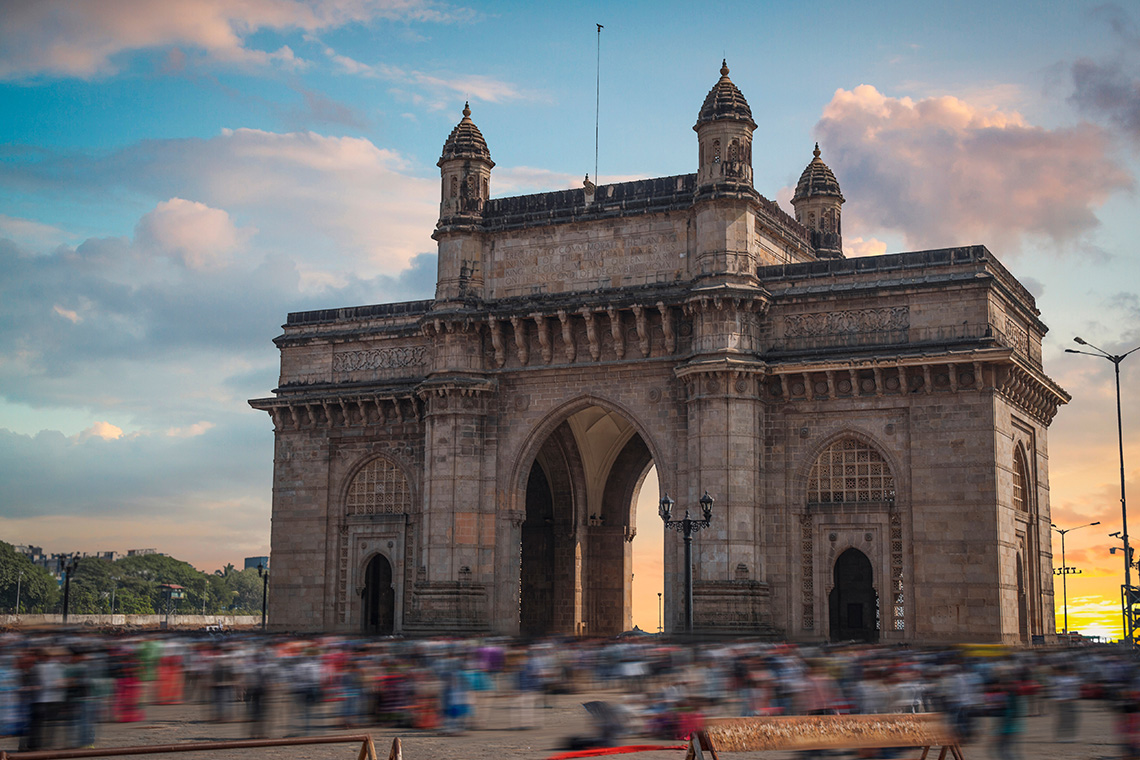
{"x": 874, "y": 430}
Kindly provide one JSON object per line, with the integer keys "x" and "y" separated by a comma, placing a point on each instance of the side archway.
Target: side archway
{"x": 849, "y": 494}
{"x": 378, "y": 599}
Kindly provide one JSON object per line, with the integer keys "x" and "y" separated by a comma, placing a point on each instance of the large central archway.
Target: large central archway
{"x": 576, "y": 550}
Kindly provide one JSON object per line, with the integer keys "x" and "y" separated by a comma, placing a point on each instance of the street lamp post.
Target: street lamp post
{"x": 263, "y": 571}
{"x": 660, "y": 614}
{"x": 68, "y": 568}
{"x": 1065, "y": 570}
{"x": 1116, "y": 360}
{"x": 19, "y": 580}
{"x": 687, "y": 526}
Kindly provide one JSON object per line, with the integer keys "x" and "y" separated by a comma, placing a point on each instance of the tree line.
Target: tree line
{"x": 127, "y": 586}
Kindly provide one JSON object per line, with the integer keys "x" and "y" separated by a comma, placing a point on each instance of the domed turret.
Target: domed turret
{"x": 465, "y": 167}
{"x": 724, "y": 135}
{"x": 725, "y": 101}
{"x": 817, "y": 202}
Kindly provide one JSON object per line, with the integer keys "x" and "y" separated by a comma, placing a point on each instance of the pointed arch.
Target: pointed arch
{"x": 1023, "y": 500}
{"x": 378, "y": 485}
{"x": 850, "y": 470}
{"x": 528, "y": 450}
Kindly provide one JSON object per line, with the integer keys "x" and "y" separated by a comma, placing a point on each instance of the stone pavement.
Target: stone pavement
{"x": 497, "y": 740}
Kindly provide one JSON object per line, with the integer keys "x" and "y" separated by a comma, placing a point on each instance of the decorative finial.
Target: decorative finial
{"x": 467, "y": 109}
{"x": 724, "y": 67}
{"x": 816, "y": 151}
{"x": 586, "y": 183}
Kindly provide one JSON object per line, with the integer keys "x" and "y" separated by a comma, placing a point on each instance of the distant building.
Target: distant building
{"x": 874, "y": 430}
{"x": 251, "y": 563}
{"x": 141, "y": 552}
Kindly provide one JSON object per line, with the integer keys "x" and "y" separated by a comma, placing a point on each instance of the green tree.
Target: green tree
{"x": 245, "y": 590}
{"x": 38, "y": 589}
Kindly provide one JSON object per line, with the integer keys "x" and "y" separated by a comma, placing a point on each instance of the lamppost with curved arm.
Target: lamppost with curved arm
{"x": 1126, "y": 597}
{"x": 1065, "y": 570}
{"x": 263, "y": 571}
{"x": 687, "y": 526}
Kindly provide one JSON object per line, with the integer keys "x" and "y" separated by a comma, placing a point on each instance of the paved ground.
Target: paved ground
{"x": 497, "y": 740}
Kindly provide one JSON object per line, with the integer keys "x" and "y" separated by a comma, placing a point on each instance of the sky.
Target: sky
{"x": 176, "y": 177}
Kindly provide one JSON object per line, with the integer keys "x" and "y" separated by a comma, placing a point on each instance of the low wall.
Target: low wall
{"x": 181, "y": 622}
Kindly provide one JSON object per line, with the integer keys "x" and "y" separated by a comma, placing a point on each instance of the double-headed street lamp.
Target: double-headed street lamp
{"x": 1065, "y": 569}
{"x": 1127, "y": 596}
{"x": 687, "y": 526}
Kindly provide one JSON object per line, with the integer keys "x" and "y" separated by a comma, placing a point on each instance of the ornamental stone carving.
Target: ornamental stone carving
{"x": 845, "y": 322}
{"x": 395, "y": 357}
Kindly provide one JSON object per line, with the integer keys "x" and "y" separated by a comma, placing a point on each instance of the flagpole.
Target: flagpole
{"x": 597, "y": 102}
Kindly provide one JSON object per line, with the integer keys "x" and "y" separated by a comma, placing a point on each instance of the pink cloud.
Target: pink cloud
{"x": 191, "y": 233}
{"x": 943, "y": 171}
{"x": 81, "y": 39}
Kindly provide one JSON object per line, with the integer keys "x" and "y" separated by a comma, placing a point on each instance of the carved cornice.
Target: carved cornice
{"x": 1031, "y": 391}
{"x": 563, "y": 336}
{"x": 329, "y": 411}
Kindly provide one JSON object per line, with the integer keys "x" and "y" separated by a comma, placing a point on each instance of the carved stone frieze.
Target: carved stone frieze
{"x": 846, "y": 322}
{"x": 393, "y": 357}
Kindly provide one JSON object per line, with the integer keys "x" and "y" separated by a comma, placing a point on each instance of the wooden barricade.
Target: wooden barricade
{"x": 814, "y": 732}
{"x": 367, "y": 748}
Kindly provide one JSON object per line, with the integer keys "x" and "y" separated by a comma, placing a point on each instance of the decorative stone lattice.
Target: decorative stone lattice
{"x": 806, "y": 560}
{"x": 898, "y": 595}
{"x": 850, "y": 471}
{"x": 379, "y": 488}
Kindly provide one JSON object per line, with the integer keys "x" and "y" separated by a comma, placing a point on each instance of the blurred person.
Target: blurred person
{"x": 306, "y": 677}
{"x": 11, "y": 723}
{"x": 1128, "y": 723}
{"x": 47, "y": 697}
{"x": 1065, "y": 691}
{"x": 352, "y": 697}
{"x": 79, "y": 693}
{"x": 1010, "y": 718}
{"x": 168, "y": 673}
{"x": 223, "y": 684}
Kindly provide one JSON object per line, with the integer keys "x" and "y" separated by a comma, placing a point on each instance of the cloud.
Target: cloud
{"x": 857, "y": 246}
{"x": 437, "y": 91}
{"x": 86, "y": 39}
{"x": 1109, "y": 88}
{"x": 191, "y": 233}
{"x": 104, "y": 430}
{"x": 191, "y": 431}
{"x": 336, "y": 205}
{"x": 29, "y": 232}
{"x": 945, "y": 172}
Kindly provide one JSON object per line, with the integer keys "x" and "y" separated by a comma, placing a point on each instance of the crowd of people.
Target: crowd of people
{"x": 57, "y": 689}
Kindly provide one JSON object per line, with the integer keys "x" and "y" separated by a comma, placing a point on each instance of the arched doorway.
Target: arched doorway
{"x": 853, "y": 603}
{"x": 378, "y": 608}
{"x": 576, "y": 558}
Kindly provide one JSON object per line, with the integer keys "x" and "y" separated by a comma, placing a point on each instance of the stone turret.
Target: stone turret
{"x": 817, "y": 201}
{"x": 465, "y": 171}
{"x": 724, "y": 135}
{"x": 465, "y": 167}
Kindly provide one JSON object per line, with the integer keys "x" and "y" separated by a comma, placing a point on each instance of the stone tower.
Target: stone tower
{"x": 724, "y": 135}
{"x": 465, "y": 172}
{"x": 817, "y": 201}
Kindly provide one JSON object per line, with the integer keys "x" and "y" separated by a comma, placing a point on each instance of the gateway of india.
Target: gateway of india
{"x": 873, "y": 430}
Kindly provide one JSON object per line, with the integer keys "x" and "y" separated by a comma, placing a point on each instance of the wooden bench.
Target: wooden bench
{"x": 812, "y": 732}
